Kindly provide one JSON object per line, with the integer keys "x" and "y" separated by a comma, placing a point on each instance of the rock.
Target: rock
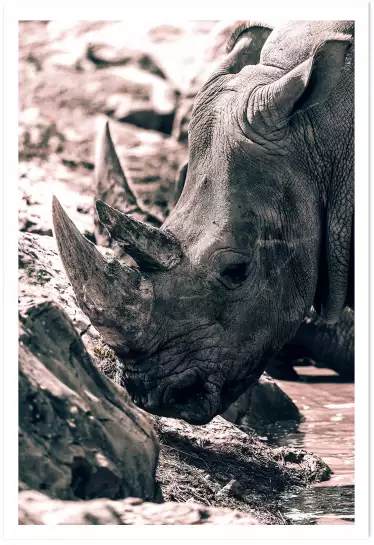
{"x": 125, "y": 93}
{"x": 37, "y": 508}
{"x": 103, "y": 54}
{"x": 38, "y": 135}
{"x": 109, "y": 66}
{"x": 105, "y": 412}
{"x": 232, "y": 488}
{"x": 220, "y": 465}
{"x": 82, "y": 46}
{"x": 80, "y": 436}
{"x": 315, "y": 468}
{"x": 189, "y": 42}
{"x": 138, "y": 97}
{"x": 42, "y": 278}
{"x": 119, "y": 39}
{"x": 39, "y": 180}
{"x": 47, "y": 45}
{"x": 263, "y": 404}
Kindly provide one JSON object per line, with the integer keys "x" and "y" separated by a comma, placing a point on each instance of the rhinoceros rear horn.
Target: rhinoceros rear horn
{"x": 112, "y": 184}
{"x": 152, "y": 248}
{"x": 117, "y": 299}
{"x": 108, "y": 171}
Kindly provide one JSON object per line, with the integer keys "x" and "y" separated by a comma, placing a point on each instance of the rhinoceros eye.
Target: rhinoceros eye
{"x": 233, "y": 268}
{"x": 235, "y": 274}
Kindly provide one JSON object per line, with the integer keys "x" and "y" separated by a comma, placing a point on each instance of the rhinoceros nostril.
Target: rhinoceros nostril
{"x": 182, "y": 394}
{"x": 135, "y": 388}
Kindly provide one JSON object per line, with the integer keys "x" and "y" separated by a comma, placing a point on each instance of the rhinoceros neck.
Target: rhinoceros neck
{"x": 336, "y": 144}
{"x": 332, "y": 141}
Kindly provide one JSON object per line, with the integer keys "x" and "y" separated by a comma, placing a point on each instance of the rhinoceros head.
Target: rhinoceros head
{"x": 229, "y": 276}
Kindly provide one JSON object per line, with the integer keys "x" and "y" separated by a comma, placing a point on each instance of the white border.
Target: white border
{"x": 165, "y": 13}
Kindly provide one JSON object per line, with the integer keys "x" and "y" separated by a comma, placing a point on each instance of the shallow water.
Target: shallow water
{"x": 328, "y": 431}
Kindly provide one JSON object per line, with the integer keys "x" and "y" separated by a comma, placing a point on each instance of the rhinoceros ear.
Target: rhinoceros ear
{"x": 308, "y": 84}
{"x": 328, "y": 63}
{"x": 245, "y": 45}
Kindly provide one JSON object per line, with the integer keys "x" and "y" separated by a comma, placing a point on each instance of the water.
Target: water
{"x": 328, "y": 431}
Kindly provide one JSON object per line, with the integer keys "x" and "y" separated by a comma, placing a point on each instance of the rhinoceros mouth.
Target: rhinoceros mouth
{"x": 188, "y": 396}
{"x": 194, "y": 411}
{"x": 197, "y": 418}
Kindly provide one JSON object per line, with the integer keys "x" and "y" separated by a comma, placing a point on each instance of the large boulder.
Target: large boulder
{"x": 265, "y": 403}
{"x": 80, "y": 436}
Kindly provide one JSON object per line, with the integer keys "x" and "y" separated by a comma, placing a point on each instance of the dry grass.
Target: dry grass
{"x": 105, "y": 359}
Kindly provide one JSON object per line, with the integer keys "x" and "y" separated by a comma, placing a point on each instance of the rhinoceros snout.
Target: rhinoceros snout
{"x": 185, "y": 397}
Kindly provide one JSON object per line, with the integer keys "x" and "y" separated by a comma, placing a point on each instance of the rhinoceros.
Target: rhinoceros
{"x": 262, "y": 231}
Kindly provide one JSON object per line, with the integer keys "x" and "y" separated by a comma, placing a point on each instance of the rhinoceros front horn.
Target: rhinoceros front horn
{"x": 117, "y": 299}
{"x": 152, "y": 248}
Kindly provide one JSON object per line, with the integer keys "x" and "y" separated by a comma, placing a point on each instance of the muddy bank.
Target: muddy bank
{"x": 219, "y": 465}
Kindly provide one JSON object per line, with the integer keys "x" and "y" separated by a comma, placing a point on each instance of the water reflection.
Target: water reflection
{"x": 320, "y": 505}
{"x": 327, "y": 429}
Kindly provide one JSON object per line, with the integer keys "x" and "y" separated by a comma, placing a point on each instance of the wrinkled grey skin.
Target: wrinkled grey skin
{"x": 269, "y": 194}
{"x": 262, "y": 230}
{"x": 324, "y": 345}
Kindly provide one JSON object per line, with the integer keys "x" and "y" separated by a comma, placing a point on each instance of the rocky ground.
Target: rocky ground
{"x": 84, "y": 447}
